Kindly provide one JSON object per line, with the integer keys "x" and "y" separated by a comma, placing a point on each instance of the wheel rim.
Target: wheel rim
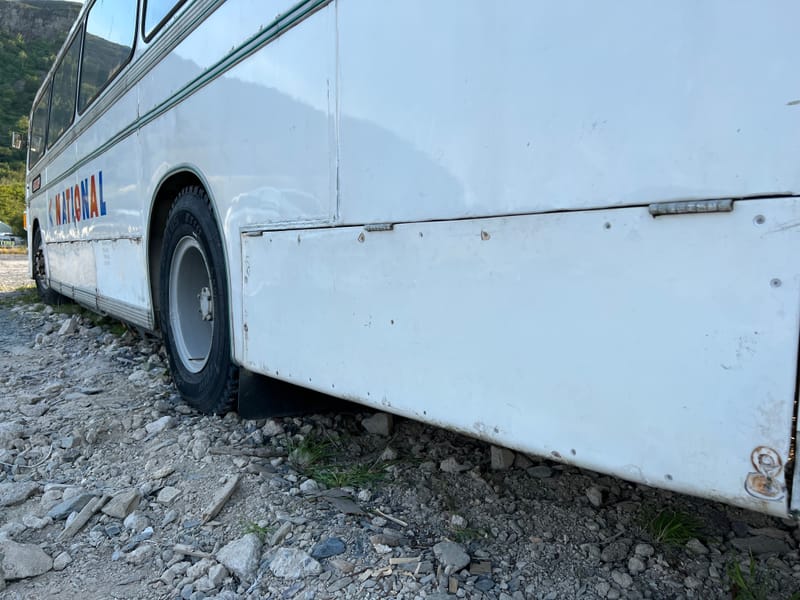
{"x": 39, "y": 266}
{"x": 191, "y": 304}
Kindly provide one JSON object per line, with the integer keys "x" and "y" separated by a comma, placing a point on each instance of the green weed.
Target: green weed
{"x": 462, "y": 535}
{"x": 672, "y": 527}
{"x": 260, "y": 530}
{"x": 750, "y": 584}
{"x": 310, "y": 452}
{"x": 354, "y": 475}
{"x": 320, "y": 459}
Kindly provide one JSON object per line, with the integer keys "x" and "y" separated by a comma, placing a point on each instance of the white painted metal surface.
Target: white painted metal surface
{"x": 662, "y": 350}
{"x": 456, "y": 108}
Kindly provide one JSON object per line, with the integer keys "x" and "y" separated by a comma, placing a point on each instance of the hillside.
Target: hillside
{"x": 31, "y": 32}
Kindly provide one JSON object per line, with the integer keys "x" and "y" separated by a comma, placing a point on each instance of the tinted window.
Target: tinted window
{"x": 156, "y": 12}
{"x": 110, "y": 30}
{"x": 39, "y": 128}
{"x": 65, "y": 86}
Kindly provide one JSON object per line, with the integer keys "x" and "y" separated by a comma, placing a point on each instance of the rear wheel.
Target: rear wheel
{"x": 40, "y": 273}
{"x": 194, "y": 305}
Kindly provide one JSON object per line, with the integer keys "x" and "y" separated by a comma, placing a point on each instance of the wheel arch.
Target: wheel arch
{"x": 166, "y": 191}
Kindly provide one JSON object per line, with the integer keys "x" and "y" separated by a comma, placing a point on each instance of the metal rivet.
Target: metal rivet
{"x": 776, "y": 283}
{"x": 361, "y": 237}
{"x": 759, "y": 220}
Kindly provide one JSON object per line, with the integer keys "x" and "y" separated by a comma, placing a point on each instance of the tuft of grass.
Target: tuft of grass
{"x": 747, "y": 585}
{"x": 309, "y": 452}
{"x": 68, "y": 308}
{"x": 354, "y": 475}
{"x": 672, "y": 527}
{"x": 462, "y": 535}
{"x": 318, "y": 459}
{"x": 260, "y": 530}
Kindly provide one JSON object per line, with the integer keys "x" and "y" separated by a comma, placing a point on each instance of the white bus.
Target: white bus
{"x": 569, "y": 228}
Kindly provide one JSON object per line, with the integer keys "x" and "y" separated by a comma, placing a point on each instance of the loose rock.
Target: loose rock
{"x": 327, "y": 548}
{"x": 379, "y": 424}
{"x": 292, "y": 563}
{"x": 122, "y": 504}
{"x": 451, "y": 554}
{"x": 16, "y": 493}
{"x": 21, "y": 561}
{"x": 61, "y": 561}
{"x": 241, "y": 556}
{"x": 502, "y": 459}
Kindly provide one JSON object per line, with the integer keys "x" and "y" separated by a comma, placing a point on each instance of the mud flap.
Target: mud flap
{"x": 261, "y": 397}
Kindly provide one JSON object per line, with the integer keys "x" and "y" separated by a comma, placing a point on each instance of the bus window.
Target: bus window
{"x": 39, "y": 128}
{"x": 156, "y": 12}
{"x": 65, "y": 83}
{"x": 110, "y": 30}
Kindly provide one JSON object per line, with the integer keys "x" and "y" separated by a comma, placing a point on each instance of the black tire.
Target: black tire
{"x": 194, "y": 306}
{"x": 40, "y": 274}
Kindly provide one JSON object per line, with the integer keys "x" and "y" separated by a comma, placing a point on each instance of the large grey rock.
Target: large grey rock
{"x": 159, "y": 425}
{"x": 33, "y": 410}
{"x": 696, "y": 546}
{"x": 761, "y": 544}
{"x": 241, "y": 556}
{"x": 136, "y": 522}
{"x": 502, "y": 458}
{"x": 595, "y": 495}
{"x": 328, "y": 547}
{"x": 379, "y": 424}
{"x": 65, "y": 508}
{"x": 61, "y": 561}
{"x": 9, "y": 432}
{"x": 21, "y": 561}
{"x": 36, "y": 523}
{"x": 122, "y": 504}
{"x": 292, "y": 563}
{"x": 17, "y": 492}
{"x": 167, "y": 495}
{"x": 68, "y": 326}
{"x": 451, "y": 465}
{"x": 540, "y": 472}
{"x": 451, "y": 554}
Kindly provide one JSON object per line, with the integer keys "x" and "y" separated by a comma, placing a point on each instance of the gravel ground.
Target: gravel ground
{"x": 111, "y": 487}
{"x": 13, "y": 272}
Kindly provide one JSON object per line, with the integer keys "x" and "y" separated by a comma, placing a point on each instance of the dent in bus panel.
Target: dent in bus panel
{"x": 263, "y": 138}
{"x": 119, "y": 271}
{"x": 73, "y": 264}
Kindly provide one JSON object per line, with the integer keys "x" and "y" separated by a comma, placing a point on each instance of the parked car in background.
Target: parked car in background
{"x": 7, "y": 237}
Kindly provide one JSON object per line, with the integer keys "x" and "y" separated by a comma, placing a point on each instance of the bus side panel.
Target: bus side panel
{"x": 660, "y": 350}
{"x": 92, "y": 219}
{"x": 464, "y": 108}
{"x": 261, "y": 136}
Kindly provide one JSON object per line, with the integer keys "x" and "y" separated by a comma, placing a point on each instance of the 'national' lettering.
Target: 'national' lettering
{"x": 81, "y": 202}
